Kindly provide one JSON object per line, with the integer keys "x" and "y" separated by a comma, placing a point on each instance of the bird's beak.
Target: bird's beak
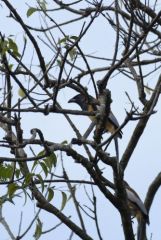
{"x": 72, "y": 100}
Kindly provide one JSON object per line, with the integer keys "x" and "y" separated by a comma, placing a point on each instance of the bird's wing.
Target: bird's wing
{"x": 113, "y": 119}
{"x": 136, "y": 200}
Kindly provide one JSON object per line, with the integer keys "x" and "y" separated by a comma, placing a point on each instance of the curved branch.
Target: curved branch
{"x": 32, "y": 39}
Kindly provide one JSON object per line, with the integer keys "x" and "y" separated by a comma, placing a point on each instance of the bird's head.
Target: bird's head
{"x": 76, "y": 99}
{"x": 81, "y": 100}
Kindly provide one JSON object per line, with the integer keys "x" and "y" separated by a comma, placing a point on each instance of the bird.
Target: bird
{"x": 90, "y": 104}
{"x": 136, "y": 206}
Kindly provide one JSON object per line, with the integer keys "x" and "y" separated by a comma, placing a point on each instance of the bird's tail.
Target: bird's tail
{"x": 116, "y": 147}
{"x": 141, "y": 230}
{"x": 117, "y": 152}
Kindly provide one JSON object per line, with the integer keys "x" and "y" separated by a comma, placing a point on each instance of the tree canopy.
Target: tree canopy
{"x": 62, "y": 174}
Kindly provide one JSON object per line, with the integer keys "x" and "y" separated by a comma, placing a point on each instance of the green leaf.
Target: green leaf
{"x": 10, "y": 66}
{"x": 6, "y": 171}
{"x": 59, "y": 62}
{"x": 36, "y": 162}
{"x": 64, "y": 142}
{"x": 21, "y": 93}
{"x": 9, "y": 171}
{"x": 3, "y": 46}
{"x": 41, "y": 181}
{"x": 50, "y": 194}
{"x": 12, "y": 188}
{"x": 28, "y": 179}
{"x": 74, "y": 38}
{"x": 30, "y": 11}
{"x": 41, "y": 153}
{"x": 51, "y": 161}
{"x": 64, "y": 200}
{"x": 4, "y": 199}
{"x": 13, "y": 47}
{"x": 17, "y": 173}
{"x": 44, "y": 168}
{"x": 38, "y": 230}
{"x": 63, "y": 40}
{"x": 73, "y": 53}
{"x": 43, "y": 5}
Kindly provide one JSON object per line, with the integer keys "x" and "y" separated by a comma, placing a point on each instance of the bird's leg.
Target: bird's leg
{"x": 141, "y": 230}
